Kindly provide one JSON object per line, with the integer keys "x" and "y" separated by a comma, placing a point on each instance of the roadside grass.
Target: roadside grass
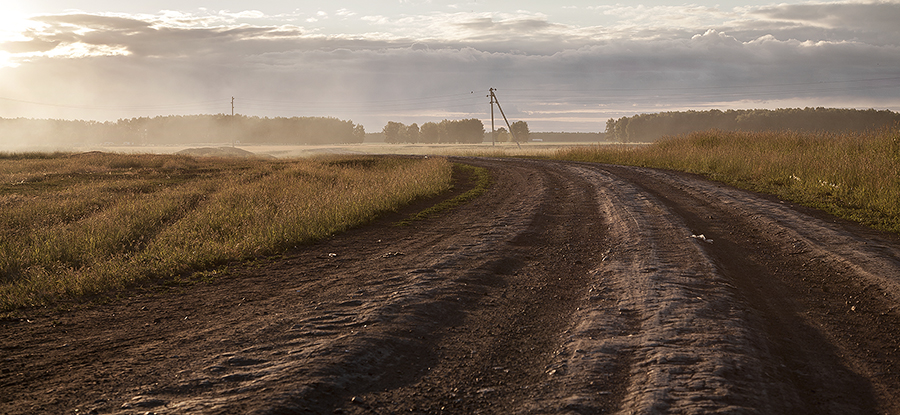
{"x": 855, "y": 176}
{"x": 482, "y": 180}
{"x": 74, "y": 225}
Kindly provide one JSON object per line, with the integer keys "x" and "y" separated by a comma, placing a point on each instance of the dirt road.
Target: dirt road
{"x": 566, "y": 288}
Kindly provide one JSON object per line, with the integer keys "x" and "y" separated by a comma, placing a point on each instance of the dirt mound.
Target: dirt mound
{"x": 220, "y": 152}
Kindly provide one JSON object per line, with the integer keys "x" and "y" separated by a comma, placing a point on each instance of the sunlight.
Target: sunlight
{"x": 12, "y": 23}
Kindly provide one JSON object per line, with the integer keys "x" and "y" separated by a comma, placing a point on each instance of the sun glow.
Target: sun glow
{"x": 13, "y": 24}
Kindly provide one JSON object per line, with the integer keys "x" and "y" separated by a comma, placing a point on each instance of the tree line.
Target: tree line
{"x": 468, "y": 131}
{"x": 518, "y": 132}
{"x": 461, "y": 131}
{"x": 651, "y": 127}
{"x": 176, "y": 129}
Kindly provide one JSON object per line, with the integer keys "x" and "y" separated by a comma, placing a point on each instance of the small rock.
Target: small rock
{"x": 485, "y": 391}
{"x": 702, "y": 238}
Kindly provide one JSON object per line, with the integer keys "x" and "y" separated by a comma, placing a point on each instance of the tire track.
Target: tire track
{"x": 824, "y": 291}
{"x": 691, "y": 344}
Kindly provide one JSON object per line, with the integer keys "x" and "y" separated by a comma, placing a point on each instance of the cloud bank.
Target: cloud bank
{"x": 418, "y": 68}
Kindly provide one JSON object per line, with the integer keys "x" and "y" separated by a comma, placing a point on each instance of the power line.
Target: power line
{"x": 466, "y": 101}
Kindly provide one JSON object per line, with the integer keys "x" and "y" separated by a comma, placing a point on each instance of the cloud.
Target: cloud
{"x": 867, "y": 17}
{"x": 30, "y": 46}
{"x": 105, "y": 66}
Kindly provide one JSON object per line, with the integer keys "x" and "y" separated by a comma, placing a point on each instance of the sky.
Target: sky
{"x": 562, "y": 65}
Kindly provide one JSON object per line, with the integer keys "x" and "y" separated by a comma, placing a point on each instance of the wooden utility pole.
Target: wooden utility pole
{"x": 232, "y": 122}
{"x": 493, "y": 134}
{"x": 494, "y": 100}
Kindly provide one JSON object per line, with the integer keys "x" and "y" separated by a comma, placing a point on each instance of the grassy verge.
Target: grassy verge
{"x": 854, "y": 176}
{"x": 482, "y": 181}
{"x": 76, "y": 225}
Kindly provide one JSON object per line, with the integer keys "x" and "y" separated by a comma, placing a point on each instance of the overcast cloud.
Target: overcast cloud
{"x": 425, "y": 67}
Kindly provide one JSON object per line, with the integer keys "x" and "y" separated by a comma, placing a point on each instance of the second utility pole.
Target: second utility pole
{"x": 495, "y": 101}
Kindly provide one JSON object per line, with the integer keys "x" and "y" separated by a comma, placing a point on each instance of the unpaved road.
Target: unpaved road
{"x": 566, "y": 288}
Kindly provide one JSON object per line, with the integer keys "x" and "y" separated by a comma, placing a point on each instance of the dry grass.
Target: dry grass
{"x": 75, "y": 225}
{"x": 855, "y": 176}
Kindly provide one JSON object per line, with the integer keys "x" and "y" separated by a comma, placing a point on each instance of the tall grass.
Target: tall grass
{"x": 852, "y": 175}
{"x": 84, "y": 224}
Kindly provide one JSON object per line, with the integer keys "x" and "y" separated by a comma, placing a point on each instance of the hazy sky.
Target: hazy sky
{"x": 564, "y": 65}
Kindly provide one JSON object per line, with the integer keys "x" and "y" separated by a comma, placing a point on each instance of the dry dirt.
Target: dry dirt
{"x": 566, "y": 288}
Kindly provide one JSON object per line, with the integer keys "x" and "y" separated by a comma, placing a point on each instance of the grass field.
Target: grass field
{"x": 854, "y": 176}
{"x": 73, "y": 225}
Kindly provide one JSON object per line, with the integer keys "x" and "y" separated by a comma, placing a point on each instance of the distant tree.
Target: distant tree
{"x": 611, "y": 129}
{"x": 392, "y": 132}
{"x": 359, "y": 133}
{"x": 621, "y": 126}
{"x": 502, "y": 135}
{"x": 429, "y": 133}
{"x": 519, "y": 130}
{"x": 470, "y": 131}
{"x": 412, "y": 133}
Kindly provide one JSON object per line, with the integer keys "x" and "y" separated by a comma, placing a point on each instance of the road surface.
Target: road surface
{"x": 566, "y": 288}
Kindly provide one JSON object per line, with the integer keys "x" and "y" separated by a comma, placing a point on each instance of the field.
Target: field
{"x": 82, "y": 224}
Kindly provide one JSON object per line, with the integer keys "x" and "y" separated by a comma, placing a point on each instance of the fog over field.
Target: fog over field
{"x": 560, "y": 66}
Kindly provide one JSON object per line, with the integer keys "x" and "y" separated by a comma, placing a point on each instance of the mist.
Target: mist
{"x": 18, "y": 135}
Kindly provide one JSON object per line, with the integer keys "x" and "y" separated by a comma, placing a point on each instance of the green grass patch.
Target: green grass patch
{"x": 851, "y": 175}
{"x": 482, "y": 181}
{"x": 86, "y": 224}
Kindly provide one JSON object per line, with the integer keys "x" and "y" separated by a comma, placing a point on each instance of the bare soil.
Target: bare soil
{"x": 566, "y": 288}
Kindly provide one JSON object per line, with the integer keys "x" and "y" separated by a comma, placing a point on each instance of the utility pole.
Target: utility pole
{"x": 494, "y": 100}
{"x": 493, "y": 134}
{"x": 232, "y": 122}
